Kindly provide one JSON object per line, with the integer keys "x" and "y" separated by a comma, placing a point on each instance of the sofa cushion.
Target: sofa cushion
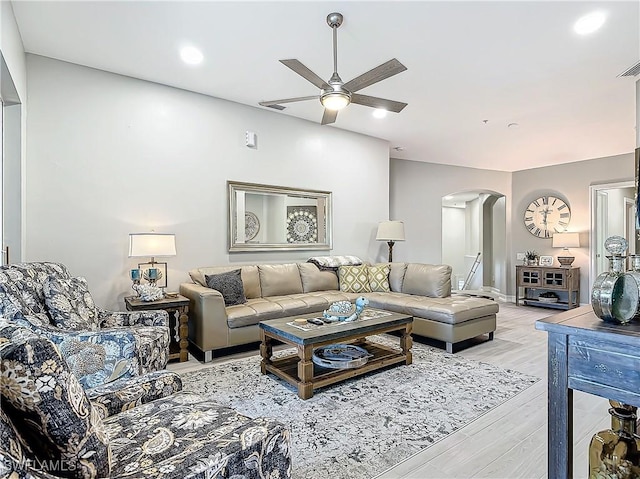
{"x": 451, "y": 310}
{"x": 378, "y": 277}
{"x": 252, "y": 312}
{"x": 354, "y": 279}
{"x": 396, "y": 276}
{"x": 249, "y": 274}
{"x": 279, "y": 279}
{"x": 47, "y": 404}
{"x": 70, "y": 303}
{"x": 433, "y": 281}
{"x": 315, "y": 279}
{"x": 229, "y": 285}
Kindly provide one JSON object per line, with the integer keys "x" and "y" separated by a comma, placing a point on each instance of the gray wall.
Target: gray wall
{"x": 571, "y": 182}
{"x": 416, "y": 191}
{"x": 110, "y": 155}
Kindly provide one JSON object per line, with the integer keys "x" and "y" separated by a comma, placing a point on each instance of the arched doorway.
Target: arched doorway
{"x": 475, "y": 222}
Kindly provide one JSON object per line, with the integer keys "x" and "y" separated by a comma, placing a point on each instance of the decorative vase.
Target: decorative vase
{"x": 615, "y": 295}
{"x": 614, "y": 453}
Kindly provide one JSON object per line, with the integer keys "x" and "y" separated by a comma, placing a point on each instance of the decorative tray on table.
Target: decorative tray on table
{"x": 340, "y": 356}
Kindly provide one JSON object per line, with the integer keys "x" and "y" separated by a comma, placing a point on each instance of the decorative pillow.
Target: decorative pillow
{"x": 230, "y": 286}
{"x": 379, "y": 277}
{"x": 354, "y": 279}
{"x": 47, "y": 404}
{"x": 70, "y": 304}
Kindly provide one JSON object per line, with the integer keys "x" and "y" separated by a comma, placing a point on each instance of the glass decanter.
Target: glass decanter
{"x": 615, "y": 295}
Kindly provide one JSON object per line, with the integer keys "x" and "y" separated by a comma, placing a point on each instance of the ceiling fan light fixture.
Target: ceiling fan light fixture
{"x": 335, "y": 100}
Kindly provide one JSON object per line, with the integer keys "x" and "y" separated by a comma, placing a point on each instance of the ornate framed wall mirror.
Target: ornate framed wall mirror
{"x": 278, "y": 218}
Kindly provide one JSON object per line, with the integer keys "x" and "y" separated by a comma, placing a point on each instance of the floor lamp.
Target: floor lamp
{"x": 390, "y": 231}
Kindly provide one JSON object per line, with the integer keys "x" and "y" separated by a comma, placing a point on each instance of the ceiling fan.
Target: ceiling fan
{"x": 335, "y": 94}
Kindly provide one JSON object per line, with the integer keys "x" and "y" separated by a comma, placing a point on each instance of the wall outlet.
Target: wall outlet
{"x": 520, "y": 256}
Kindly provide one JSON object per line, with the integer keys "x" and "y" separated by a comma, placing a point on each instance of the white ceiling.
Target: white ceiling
{"x": 505, "y": 62}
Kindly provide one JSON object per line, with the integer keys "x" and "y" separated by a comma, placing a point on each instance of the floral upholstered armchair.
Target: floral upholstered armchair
{"x": 98, "y": 345}
{"x": 50, "y": 427}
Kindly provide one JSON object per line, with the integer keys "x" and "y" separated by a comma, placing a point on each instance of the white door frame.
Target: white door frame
{"x": 594, "y": 191}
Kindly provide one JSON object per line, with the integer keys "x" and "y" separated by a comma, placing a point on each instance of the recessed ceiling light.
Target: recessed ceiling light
{"x": 379, "y": 113}
{"x": 448, "y": 197}
{"x": 191, "y": 55}
{"x": 589, "y": 23}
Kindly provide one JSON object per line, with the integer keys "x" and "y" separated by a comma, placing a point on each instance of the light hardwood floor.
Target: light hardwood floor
{"x": 509, "y": 441}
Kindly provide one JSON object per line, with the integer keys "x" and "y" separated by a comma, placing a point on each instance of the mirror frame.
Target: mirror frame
{"x": 233, "y": 187}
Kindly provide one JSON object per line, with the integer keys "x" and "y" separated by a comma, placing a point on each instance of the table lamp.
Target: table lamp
{"x": 153, "y": 245}
{"x": 566, "y": 241}
{"x": 390, "y": 231}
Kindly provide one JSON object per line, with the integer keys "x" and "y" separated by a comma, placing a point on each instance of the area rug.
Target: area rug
{"x": 360, "y": 428}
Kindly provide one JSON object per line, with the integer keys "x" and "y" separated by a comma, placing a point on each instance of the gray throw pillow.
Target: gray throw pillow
{"x": 229, "y": 285}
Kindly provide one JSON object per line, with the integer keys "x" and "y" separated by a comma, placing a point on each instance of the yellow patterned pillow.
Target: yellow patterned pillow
{"x": 379, "y": 278}
{"x": 354, "y": 279}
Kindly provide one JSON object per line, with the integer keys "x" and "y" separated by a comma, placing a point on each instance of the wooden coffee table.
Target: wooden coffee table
{"x": 299, "y": 370}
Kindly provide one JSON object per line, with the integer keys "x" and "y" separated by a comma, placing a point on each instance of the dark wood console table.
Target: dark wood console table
{"x": 586, "y": 354}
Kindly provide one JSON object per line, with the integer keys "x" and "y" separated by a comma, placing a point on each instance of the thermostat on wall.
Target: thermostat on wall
{"x": 251, "y": 139}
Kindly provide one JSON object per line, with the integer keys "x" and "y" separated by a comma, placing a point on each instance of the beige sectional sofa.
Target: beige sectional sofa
{"x": 278, "y": 290}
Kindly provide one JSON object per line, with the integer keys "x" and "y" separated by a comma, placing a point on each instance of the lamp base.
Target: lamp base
{"x": 390, "y": 243}
{"x": 566, "y": 260}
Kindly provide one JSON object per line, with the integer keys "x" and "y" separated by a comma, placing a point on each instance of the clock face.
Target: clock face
{"x": 547, "y": 215}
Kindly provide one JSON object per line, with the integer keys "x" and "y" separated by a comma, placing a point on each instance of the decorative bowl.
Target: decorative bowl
{"x": 547, "y": 300}
{"x": 340, "y": 356}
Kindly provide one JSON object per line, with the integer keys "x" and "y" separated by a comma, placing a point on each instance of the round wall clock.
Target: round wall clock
{"x": 547, "y": 215}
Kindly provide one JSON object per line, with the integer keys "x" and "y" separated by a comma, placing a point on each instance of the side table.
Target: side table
{"x": 178, "y": 308}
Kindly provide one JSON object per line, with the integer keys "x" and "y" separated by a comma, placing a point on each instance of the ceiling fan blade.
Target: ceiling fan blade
{"x": 379, "y": 73}
{"x": 329, "y": 116}
{"x": 375, "y": 102}
{"x": 276, "y": 104}
{"x": 304, "y": 72}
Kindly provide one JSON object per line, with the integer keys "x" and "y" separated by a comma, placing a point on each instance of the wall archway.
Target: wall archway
{"x": 473, "y": 222}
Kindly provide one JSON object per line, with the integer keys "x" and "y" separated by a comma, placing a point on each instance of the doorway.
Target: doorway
{"x": 11, "y": 207}
{"x": 613, "y": 212}
{"x": 475, "y": 222}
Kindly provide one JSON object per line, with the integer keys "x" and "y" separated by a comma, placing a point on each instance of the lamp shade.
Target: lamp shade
{"x": 566, "y": 240}
{"x": 390, "y": 231}
{"x": 152, "y": 244}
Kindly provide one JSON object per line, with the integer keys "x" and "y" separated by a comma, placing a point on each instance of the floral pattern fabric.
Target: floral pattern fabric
{"x": 186, "y": 436}
{"x": 70, "y": 304}
{"x": 124, "y": 394}
{"x": 123, "y": 344}
{"x": 178, "y": 436}
{"x": 47, "y": 404}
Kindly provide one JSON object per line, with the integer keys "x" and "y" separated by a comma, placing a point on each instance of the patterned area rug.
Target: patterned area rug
{"x": 360, "y": 428}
